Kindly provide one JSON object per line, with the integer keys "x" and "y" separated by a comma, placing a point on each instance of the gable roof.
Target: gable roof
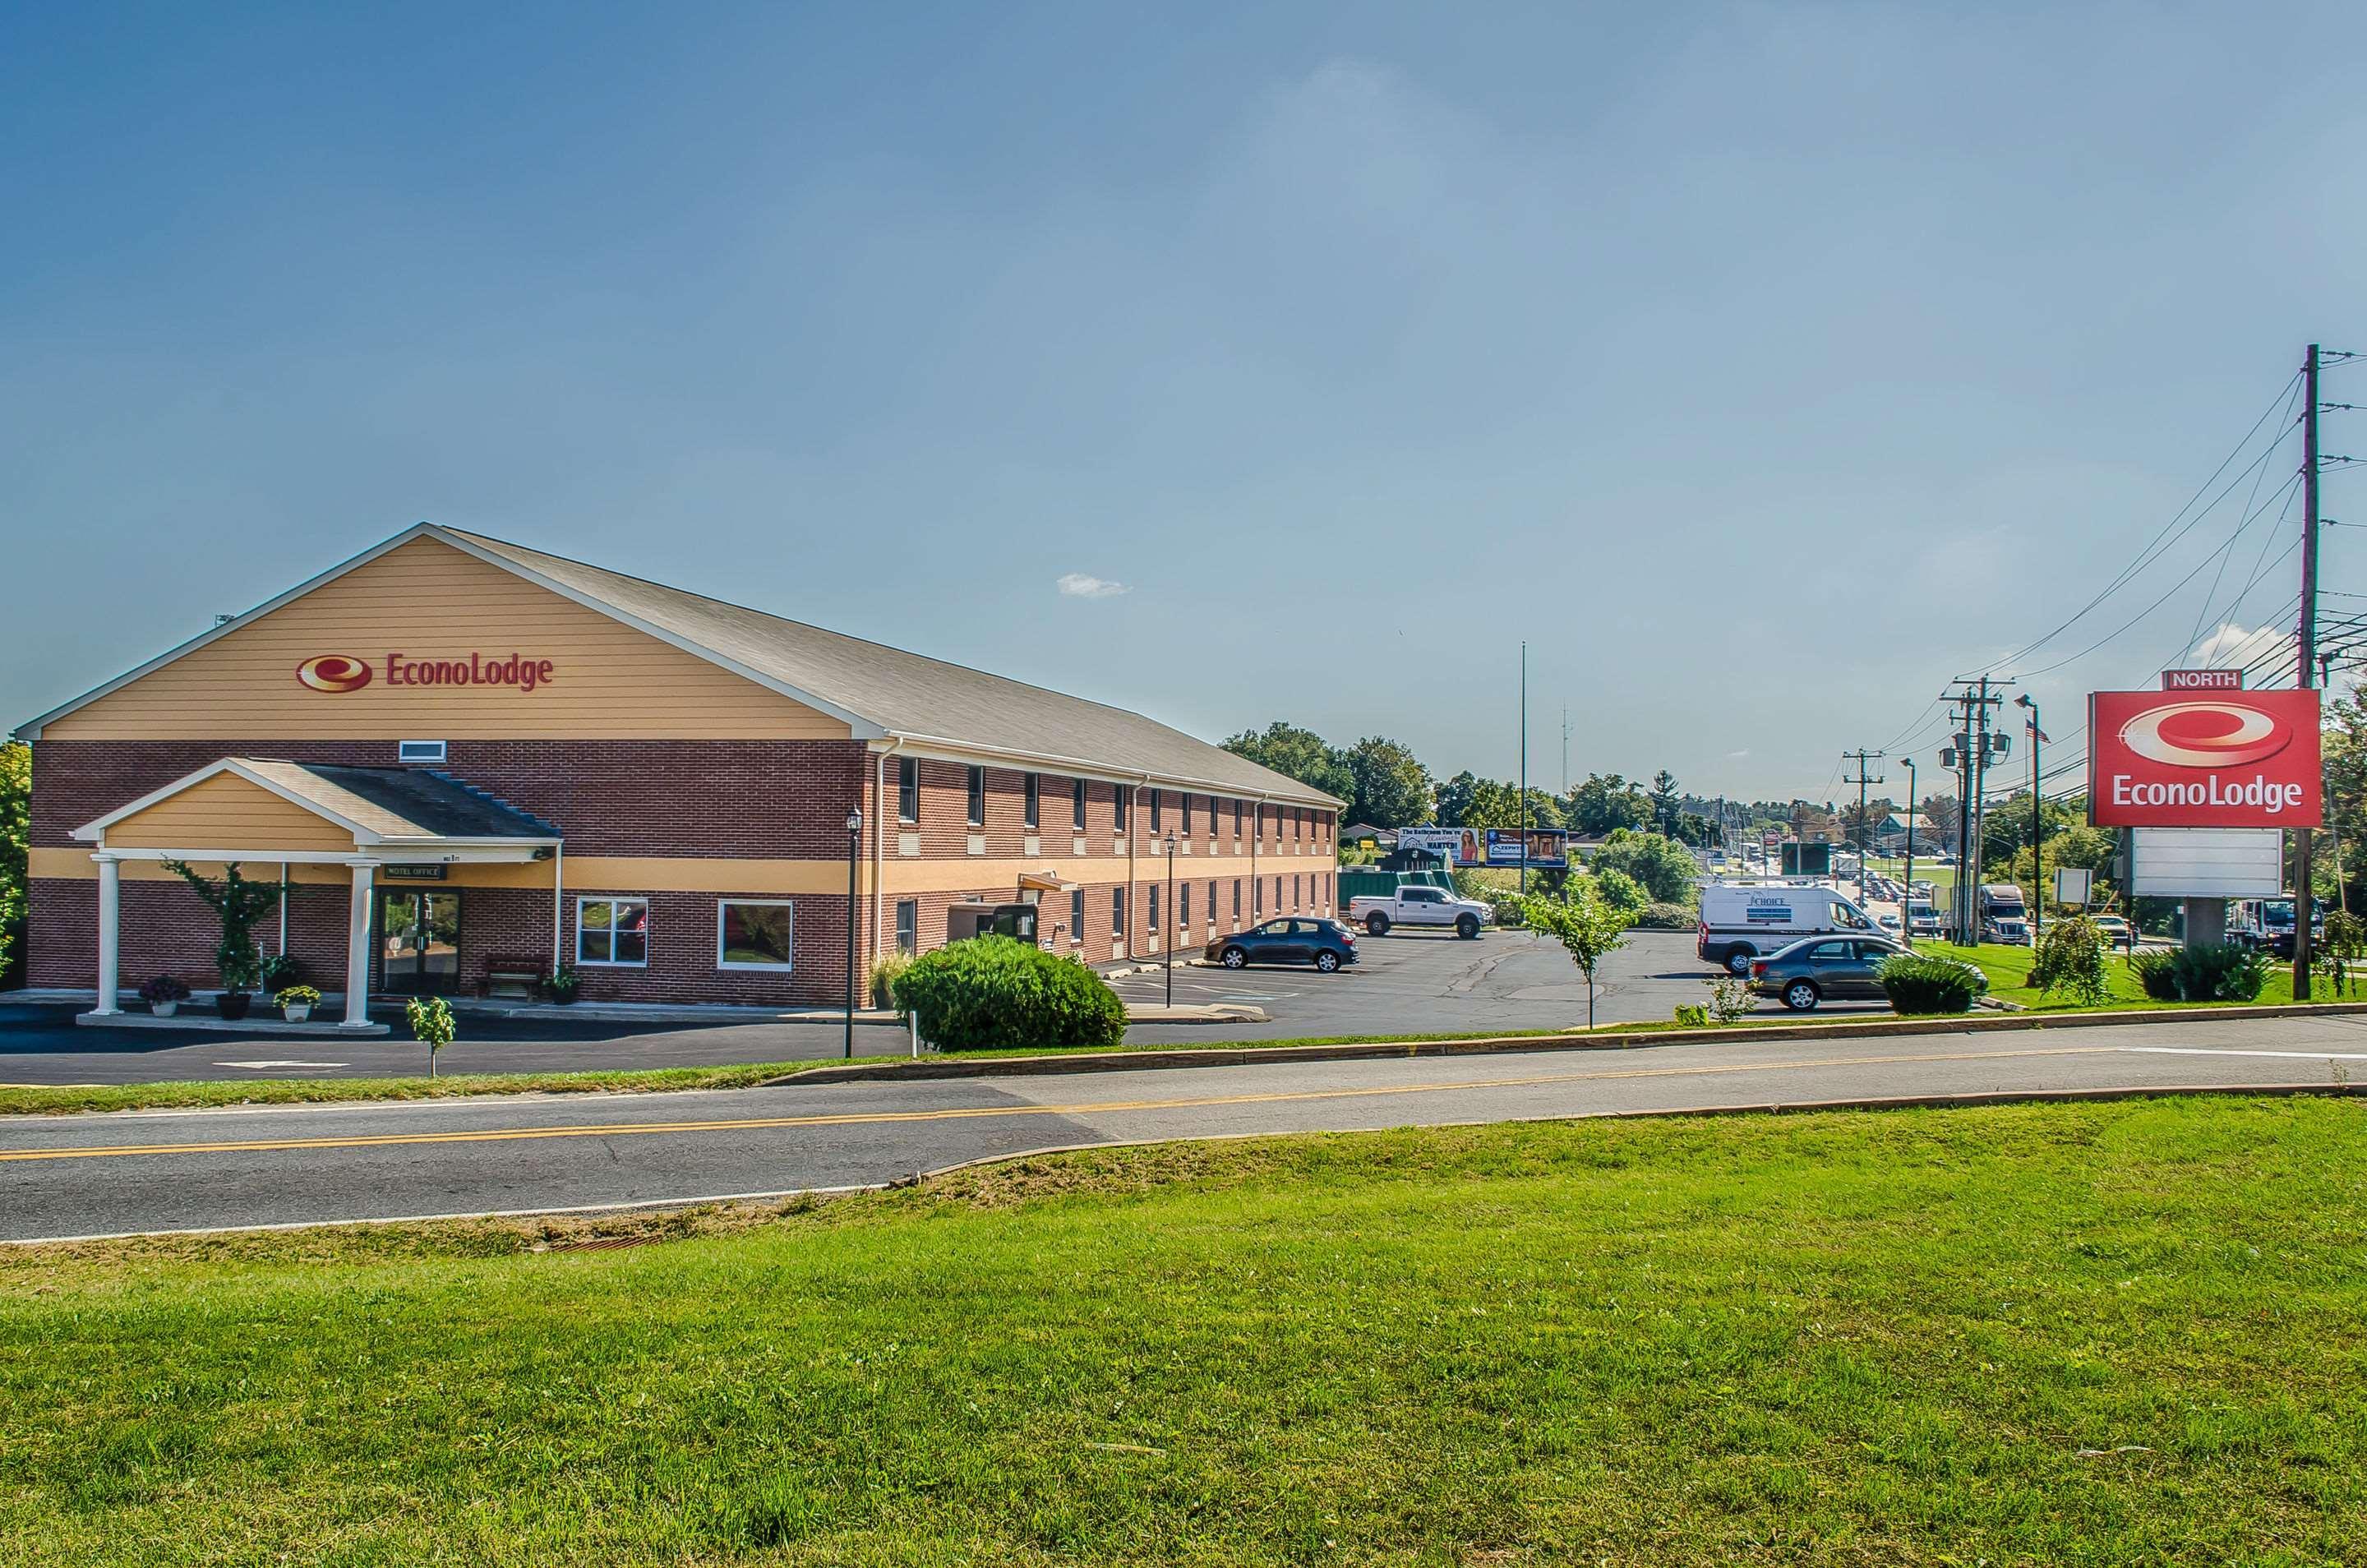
{"x": 393, "y": 806}
{"x": 881, "y": 692}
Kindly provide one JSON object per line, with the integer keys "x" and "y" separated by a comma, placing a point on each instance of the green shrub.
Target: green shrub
{"x": 886, "y": 970}
{"x": 2070, "y": 959}
{"x": 993, "y": 992}
{"x": 1691, "y": 1015}
{"x": 2155, "y": 969}
{"x": 1922, "y": 983}
{"x": 2224, "y": 972}
{"x": 1620, "y": 890}
{"x": 1667, "y": 918}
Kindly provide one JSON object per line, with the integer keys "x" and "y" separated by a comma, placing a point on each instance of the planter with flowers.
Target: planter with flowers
{"x": 296, "y": 1002}
{"x": 165, "y": 994}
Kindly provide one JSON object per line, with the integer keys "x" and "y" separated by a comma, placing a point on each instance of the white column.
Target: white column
{"x": 357, "y": 946}
{"x": 110, "y": 907}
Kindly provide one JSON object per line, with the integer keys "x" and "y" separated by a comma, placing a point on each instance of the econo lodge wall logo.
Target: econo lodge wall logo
{"x": 334, "y": 672}
{"x": 2173, "y": 759}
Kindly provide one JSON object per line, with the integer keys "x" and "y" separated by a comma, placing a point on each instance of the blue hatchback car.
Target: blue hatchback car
{"x": 1295, "y": 939}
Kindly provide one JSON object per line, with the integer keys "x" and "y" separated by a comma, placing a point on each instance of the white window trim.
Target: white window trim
{"x": 612, "y": 899}
{"x": 438, "y": 753}
{"x": 789, "y": 904}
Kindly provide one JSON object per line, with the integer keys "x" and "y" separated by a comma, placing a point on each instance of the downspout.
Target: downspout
{"x": 557, "y": 901}
{"x": 1257, "y": 832}
{"x": 879, "y": 845}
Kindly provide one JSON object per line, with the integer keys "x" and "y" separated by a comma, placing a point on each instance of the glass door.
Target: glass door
{"x": 419, "y": 943}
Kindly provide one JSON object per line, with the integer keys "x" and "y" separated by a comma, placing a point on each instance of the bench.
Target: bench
{"x": 512, "y": 977}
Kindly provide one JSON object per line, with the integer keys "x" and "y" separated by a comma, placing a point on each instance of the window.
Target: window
{"x": 1077, "y": 802}
{"x": 612, "y": 931}
{"x": 1154, "y": 817}
{"x": 753, "y": 933}
{"x": 1117, "y": 914}
{"x": 1237, "y": 820}
{"x": 1120, "y": 795}
{"x": 419, "y": 751}
{"x": 1187, "y": 813}
{"x": 908, "y": 926}
{"x": 908, "y": 789}
{"x": 977, "y": 797}
{"x": 1237, "y": 897}
{"x": 1183, "y": 907}
{"x": 1153, "y": 926}
{"x": 1212, "y": 901}
{"x": 1294, "y": 893}
{"x": 1257, "y": 899}
{"x": 1034, "y": 816}
{"x": 1076, "y": 914}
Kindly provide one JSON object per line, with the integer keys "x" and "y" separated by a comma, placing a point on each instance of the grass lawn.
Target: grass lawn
{"x": 2069, "y": 1333}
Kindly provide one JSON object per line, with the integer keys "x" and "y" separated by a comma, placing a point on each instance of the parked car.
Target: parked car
{"x": 1822, "y": 969}
{"x": 1418, "y": 906}
{"x": 2116, "y": 931}
{"x": 1297, "y": 939}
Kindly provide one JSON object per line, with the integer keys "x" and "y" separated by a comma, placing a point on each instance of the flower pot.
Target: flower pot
{"x": 233, "y": 1004}
{"x": 163, "y": 1009}
{"x": 297, "y": 1012}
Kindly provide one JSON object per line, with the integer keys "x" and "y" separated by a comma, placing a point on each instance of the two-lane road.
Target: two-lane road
{"x": 177, "y": 1170}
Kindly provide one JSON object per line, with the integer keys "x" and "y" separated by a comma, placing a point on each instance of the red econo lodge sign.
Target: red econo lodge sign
{"x": 2215, "y": 760}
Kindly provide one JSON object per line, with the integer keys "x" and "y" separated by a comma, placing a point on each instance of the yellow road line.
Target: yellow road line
{"x": 847, "y": 1119}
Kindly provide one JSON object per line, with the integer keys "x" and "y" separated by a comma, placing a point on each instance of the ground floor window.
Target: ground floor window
{"x": 612, "y": 931}
{"x": 908, "y": 926}
{"x": 1294, "y": 893}
{"x": 753, "y": 933}
{"x": 1237, "y": 897}
{"x": 1212, "y": 904}
{"x": 1076, "y": 914}
{"x": 1183, "y": 907}
{"x": 1117, "y": 914}
{"x": 1153, "y": 927}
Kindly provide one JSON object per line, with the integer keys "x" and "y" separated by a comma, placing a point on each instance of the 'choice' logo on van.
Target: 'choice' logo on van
{"x": 2205, "y": 734}
{"x": 334, "y": 673}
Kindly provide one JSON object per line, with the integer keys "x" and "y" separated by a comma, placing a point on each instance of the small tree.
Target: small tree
{"x": 240, "y": 904}
{"x": 1588, "y": 927}
{"x": 431, "y": 1025}
{"x": 2070, "y": 958}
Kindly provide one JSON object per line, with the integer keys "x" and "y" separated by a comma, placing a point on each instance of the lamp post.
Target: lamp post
{"x": 854, "y": 847}
{"x": 1170, "y": 932}
{"x": 2037, "y": 832}
{"x": 1906, "y": 883}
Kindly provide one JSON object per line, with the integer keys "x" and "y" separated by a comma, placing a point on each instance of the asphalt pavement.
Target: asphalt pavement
{"x": 143, "y": 1171}
{"x": 1406, "y": 982}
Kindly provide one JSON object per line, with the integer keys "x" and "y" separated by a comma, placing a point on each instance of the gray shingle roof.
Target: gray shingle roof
{"x": 909, "y": 694}
{"x": 403, "y": 802}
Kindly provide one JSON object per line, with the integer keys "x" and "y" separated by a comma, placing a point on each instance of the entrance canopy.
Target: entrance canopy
{"x": 259, "y": 809}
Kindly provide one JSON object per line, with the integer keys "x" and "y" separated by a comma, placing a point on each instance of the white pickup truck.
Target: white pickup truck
{"x": 1418, "y": 906}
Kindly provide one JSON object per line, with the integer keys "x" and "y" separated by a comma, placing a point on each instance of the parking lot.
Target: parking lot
{"x": 1421, "y": 981}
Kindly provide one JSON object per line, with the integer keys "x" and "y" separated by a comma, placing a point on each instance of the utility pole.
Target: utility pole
{"x": 2304, "y": 905}
{"x": 1565, "y": 750}
{"x": 1864, "y": 848}
{"x": 1972, "y": 769}
{"x": 1525, "y": 766}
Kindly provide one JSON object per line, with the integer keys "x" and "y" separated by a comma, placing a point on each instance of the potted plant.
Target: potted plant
{"x": 165, "y": 994}
{"x": 238, "y": 978}
{"x": 279, "y": 971}
{"x": 296, "y": 1002}
{"x": 561, "y": 985}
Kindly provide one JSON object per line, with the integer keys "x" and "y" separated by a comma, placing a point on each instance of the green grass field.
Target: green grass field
{"x": 2071, "y": 1334}
{"x": 2008, "y": 968}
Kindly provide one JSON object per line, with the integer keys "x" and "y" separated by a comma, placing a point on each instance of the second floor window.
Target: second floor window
{"x": 1119, "y": 799}
{"x": 908, "y": 789}
{"x": 1077, "y": 803}
{"x": 978, "y": 798}
{"x": 1034, "y": 801}
{"x": 1154, "y": 819}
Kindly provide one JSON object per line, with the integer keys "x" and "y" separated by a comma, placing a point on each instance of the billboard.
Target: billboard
{"x": 2224, "y": 760}
{"x": 1548, "y": 847}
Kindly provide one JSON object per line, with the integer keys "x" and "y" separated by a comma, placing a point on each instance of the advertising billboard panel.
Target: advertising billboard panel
{"x": 1548, "y": 847}
{"x": 2208, "y": 863}
{"x": 2221, "y": 760}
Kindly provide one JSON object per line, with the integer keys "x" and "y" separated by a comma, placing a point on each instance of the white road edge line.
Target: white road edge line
{"x": 2235, "y": 1051}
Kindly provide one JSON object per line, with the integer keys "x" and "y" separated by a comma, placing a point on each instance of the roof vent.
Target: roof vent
{"x": 419, "y": 751}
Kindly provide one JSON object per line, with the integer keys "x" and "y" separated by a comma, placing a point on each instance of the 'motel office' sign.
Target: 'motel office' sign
{"x": 2184, "y": 759}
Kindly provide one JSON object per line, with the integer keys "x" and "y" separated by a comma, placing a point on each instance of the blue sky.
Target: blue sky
{"x": 1764, "y": 366}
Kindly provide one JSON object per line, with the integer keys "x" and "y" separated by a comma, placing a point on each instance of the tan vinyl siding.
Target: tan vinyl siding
{"x": 428, "y": 601}
{"x": 225, "y": 812}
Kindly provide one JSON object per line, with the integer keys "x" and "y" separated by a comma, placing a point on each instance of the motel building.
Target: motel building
{"x": 472, "y": 761}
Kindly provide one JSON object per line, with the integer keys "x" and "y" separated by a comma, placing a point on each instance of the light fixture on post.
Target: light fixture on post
{"x": 1170, "y": 932}
{"x": 854, "y": 849}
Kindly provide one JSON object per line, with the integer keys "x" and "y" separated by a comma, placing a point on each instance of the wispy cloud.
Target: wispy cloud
{"x": 1082, "y": 585}
{"x": 2232, "y": 644}
{"x": 1738, "y": 756}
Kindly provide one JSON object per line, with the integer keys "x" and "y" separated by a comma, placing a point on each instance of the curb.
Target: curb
{"x": 1255, "y": 1055}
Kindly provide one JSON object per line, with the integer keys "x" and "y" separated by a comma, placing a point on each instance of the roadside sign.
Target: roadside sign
{"x": 2224, "y": 760}
{"x": 2202, "y": 679}
{"x": 2073, "y": 885}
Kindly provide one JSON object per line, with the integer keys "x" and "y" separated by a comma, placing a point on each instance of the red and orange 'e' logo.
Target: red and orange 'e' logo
{"x": 334, "y": 673}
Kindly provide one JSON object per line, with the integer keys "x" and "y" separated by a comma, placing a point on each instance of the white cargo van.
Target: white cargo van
{"x": 1743, "y": 920}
